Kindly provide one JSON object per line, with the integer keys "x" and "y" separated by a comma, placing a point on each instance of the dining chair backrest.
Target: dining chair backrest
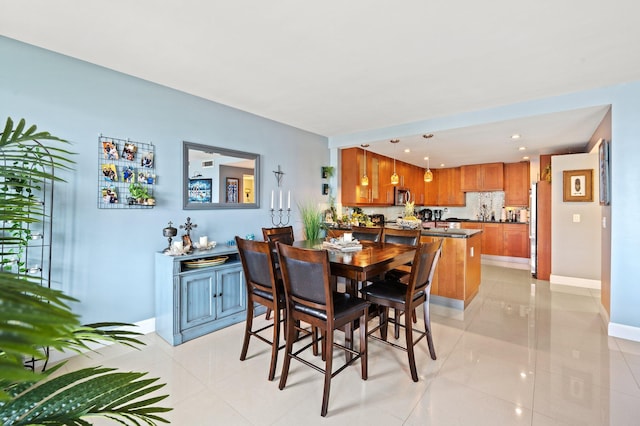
{"x": 258, "y": 265}
{"x": 306, "y": 274}
{"x": 409, "y": 237}
{"x": 283, "y": 234}
{"x": 423, "y": 269}
{"x": 367, "y": 233}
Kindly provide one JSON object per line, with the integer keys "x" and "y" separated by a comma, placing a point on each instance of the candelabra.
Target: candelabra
{"x": 278, "y": 217}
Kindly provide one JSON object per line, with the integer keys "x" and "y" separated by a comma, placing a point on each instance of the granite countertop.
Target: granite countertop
{"x": 450, "y": 232}
{"x": 443, "y": 232}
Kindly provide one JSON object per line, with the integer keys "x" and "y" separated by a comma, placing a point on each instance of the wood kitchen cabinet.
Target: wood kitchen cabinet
{"x": 492, "y": 239}
{"x": 516, "y": 184}
{"x": 482, "y": 177}
{"x": 431, "y": 190}
{"x": 352, "y": 170}
{"x": 449, "y": 192}
{"x": 502, "y": 239}
{"x": 458, "y": 273}
{"x": 516, "y": 240}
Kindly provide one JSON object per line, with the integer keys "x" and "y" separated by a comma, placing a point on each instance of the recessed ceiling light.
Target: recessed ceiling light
{"x": 427, "y": 135}
{"x": 525, "y": 157}
{"x": 441, "y": 164}
{"x": 515, "y": 136}
{"x": 407, "y": 150}
{"x": 426, "y": 158}
{"x": 522, "y": 148}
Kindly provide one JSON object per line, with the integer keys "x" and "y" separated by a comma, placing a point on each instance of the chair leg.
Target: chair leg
{"x": 275, "y": 343}
{"x": 247, "y": 330}
{"x": 327, "y": 371}
{"x": 396, "y": 325}
{"x": 348, "y": 340}
{"x": 384, "y": 315}
{"x": 427, "y": 328}
{"x": 364, "y": 360}
{"x": 408, "y": 327}
{"x": 267, "y": 316}
{"x": 291, "y": 331}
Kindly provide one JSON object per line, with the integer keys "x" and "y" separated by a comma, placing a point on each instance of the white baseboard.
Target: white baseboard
{"x": 145, "y": 327}
{"x": 575, "y": 282}
{"x": 624, "y": 331}
{"x": 506, "y": 261}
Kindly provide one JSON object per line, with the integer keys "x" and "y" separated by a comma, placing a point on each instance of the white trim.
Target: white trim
{"x": 145, "y": 327}
{"x": 624, "y": 331}
{"x": 506, "y": 261}
{"x": 575, "y": 282}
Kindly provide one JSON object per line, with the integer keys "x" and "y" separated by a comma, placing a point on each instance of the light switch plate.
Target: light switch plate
{"x": 576, "y": 217}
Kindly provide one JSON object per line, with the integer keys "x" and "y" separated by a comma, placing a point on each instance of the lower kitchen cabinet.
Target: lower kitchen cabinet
{"x": 193, "y": 300}
{"x": 502, "y": 239}
{"x": 516, "y": 240}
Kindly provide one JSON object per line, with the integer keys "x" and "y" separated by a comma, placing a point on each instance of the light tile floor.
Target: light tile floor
{"x": 520, "y": 354}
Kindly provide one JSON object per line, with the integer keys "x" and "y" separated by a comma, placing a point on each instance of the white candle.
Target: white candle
{"x": 271, "y": 199}
{"x": 280, "y": 205}
{"x": 347, "y": 236}
{"x": 204, "y": 242}
{"x": 289, "y": 200}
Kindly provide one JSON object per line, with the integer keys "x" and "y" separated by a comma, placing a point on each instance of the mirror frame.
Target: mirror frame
{"x": 186, "y": 205}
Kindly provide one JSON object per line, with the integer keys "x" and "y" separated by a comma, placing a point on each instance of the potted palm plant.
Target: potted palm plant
{"x": 35, "y": 316}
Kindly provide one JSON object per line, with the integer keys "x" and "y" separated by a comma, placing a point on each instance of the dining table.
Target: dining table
{"x": 366, "y": 264}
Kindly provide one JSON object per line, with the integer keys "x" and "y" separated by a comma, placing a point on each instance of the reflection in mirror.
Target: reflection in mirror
{"x": 219, "y": 178}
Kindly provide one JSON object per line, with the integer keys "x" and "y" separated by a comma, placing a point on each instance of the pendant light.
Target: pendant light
{"x": 364, "y": 181}
{"x": 394, "y": 177}
{"x": 428, "y": 175}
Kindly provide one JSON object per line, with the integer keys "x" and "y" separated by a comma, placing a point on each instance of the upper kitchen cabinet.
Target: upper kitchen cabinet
{"x": 378, "y": 192}
{"x": 431, "y": 189}
{"x": 482, "y": 177}
{"x": 516, "y": 184}
{"x": 449, "y": 192}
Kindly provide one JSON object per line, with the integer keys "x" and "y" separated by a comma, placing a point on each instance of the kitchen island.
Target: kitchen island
{"x": 458, "y": 275}
{"x": 457, "y": 278}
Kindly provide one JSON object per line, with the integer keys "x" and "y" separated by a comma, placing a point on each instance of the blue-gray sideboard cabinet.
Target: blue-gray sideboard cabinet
{"x": 196, "y": 295}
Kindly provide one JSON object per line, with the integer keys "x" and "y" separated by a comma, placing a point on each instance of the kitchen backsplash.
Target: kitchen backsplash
{"x": 493, "y": 201}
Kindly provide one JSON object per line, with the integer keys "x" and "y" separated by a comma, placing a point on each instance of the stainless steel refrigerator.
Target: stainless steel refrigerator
{"x": 533, "y": 228}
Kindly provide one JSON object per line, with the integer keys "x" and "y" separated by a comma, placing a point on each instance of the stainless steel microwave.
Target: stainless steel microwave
{"x": 402, "y": 196}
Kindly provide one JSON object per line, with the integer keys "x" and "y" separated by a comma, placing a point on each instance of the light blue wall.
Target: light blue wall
{"x": 105, "y": 257}
{"x": 625, "y": 178}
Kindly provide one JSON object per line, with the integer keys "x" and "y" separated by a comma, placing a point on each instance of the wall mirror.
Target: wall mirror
{"x": 219, "y": 178}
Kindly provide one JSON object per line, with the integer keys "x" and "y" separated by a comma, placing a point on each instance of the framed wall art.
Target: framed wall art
{"x": 577, "y": 185}
{"x": 232, "y": 190}
{"x": 603, "y": 161}
{"x": 200, "y": 190}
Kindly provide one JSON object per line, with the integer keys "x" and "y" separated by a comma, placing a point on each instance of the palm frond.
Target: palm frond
{"x": 75, "y": 396}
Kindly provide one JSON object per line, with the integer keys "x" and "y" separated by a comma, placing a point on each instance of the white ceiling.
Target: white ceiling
{"x": 337, "y": 67}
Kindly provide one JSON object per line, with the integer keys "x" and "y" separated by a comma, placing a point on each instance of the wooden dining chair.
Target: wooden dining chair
{"x": 407, "y": 297}
{"x": 283, "y": 234}
{"x": 367, "y": 233}
{"x": 310, "y": 299}
{"x": 409, "y": 237}
{"x": 264, "y": 288}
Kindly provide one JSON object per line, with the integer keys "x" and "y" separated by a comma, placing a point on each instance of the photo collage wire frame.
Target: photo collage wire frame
{"x": 121, "y": 163}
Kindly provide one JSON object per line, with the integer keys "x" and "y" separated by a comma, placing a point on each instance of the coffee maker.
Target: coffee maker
{"x": 437, "y": 214}
{"x": 426, "y": 215}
